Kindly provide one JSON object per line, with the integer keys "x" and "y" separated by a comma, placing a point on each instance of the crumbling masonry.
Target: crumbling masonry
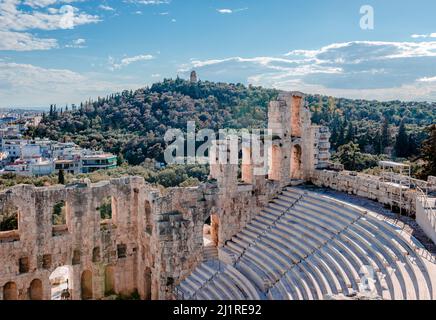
{"x": 154, "y": 239}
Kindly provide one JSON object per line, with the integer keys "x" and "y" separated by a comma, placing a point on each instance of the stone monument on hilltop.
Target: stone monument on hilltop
{"x": 194, "y": 78}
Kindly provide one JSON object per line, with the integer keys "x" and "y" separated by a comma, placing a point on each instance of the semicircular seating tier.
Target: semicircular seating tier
{"x": 308, "y": 246}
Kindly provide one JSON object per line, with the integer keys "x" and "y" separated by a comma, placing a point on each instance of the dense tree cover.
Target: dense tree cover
{"x": 428, "y": 153}
{"x": 132, "y": 124}
{"x": 374, "y": 125}
{"x": 9, "y": 179}
{"x": 171, "y": 176}
{"x": 353, "y": 159}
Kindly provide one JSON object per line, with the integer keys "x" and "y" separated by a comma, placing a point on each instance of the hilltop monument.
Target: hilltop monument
{"x": 194, "y": 78}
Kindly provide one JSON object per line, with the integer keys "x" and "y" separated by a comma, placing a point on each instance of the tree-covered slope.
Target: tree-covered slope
{"x": 133, "y": 123}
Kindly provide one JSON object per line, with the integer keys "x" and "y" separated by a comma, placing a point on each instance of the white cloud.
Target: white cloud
{"x": 78, "y": 43}
{"x": 113, "y": 64}
{"x": 22, "y": 84}
{"x": 357, "y": 69}
{"x": 18, "y": 25}
{"x": 230, "y": 11}
{"x": 106, "y": 7}
{"x": 21, "y": 41}
{"x": 359, "y": 51}
{"x": 148, "y": 2}
{"x": 66, "y": 17}
{"x": 224, "y": 11}
{"x": 45, "y": 3}
{"x": 430, "y": 35}
{"x": 427, "y": 79}
{"x": 417, "y": 36}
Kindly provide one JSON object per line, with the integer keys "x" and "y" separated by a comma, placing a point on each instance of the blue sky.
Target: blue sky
{"x": 67, "y": 51}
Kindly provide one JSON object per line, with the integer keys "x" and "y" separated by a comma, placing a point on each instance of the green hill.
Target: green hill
{"x": 133, "y": 123}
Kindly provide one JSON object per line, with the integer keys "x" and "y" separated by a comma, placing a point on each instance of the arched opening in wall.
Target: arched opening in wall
{"x": 86, "y": 285}
{"x": 107, "y": 210}
{"x": 35, "y": 290}
{"x": 148, "y": 223}
{"x": 10, "y": 291}
{"x": 211, "y": 238}
{"x": 96, "y": 256}
{"x": 23, "y": 265}
{"x": 275, "y": 163}
{"x": 61, "y": 283}
{"x": 8, "y": 222}
{"x": 147, "y": 284}
{"x": 247, "y": 166}
{"x": 109, "y": 280}
{"x": 296, "y": 167}
{"x": 296, "y": 116}
{"x": 59, "y": 218}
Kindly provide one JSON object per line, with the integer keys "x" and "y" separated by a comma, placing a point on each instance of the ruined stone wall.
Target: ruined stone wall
{"x": 298, "y": 146}
{"x": 236, "y": 211}
{"x": 366, "y": 186}
{"x": 153, "y": 239}
{"x": 179, "y": 238}
{"x": 85, "y": 243}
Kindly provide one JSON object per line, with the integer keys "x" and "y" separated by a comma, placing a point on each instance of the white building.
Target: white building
{"x": 29, "y": 151}
{"x": 43, "y": 157}
{"x": 13, "y": 147}
{"x": 41, "y": 167}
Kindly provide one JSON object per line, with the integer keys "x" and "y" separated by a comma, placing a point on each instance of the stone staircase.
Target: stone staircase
{"x": 308, "y": 246}
{"x": 210, "y": 253}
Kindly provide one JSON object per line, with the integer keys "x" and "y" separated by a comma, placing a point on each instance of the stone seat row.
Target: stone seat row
{"x": 305, "y": 245}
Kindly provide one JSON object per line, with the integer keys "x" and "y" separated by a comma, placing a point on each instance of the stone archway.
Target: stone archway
{"x": 214, "y": 229}
{"x": 86, "y": 285}
{"x": 10, "y": 291}
{"x": 148, "y": 222}
{"x": 247, "y": 166}
{"x": 275, "y": 163}
{"x": 109, "y": 280}
{"x": 211, "y": 238}
{"x": 296, "y": 116}
{"x": 147, "y": 284}
{"x": 36, "y": 290}
{"x": 61, "y": 282}
{"x": 296, "y": 165}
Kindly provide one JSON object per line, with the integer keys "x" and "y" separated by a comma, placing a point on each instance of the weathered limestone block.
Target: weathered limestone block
{"x": 365, "y": 186}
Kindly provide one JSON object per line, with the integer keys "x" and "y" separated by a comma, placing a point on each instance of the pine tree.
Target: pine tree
{"x": 335, "y": 133}
{"x": 316, "y": 116}
{"x": 331, "y": 108}
{"x": 385, "y": 137}
{"x": 402, "y": 143}
{"x": 428, "y": 153}
{"x": 341, "y": 135}
{"x": 347, "y": 155}
{"x": 50, "y": 114}
{"x": 412, "y": 145}
{"x": 61, "y": 177}
{"x": 120, "y": 160}
{"x": 350, "y": 132}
